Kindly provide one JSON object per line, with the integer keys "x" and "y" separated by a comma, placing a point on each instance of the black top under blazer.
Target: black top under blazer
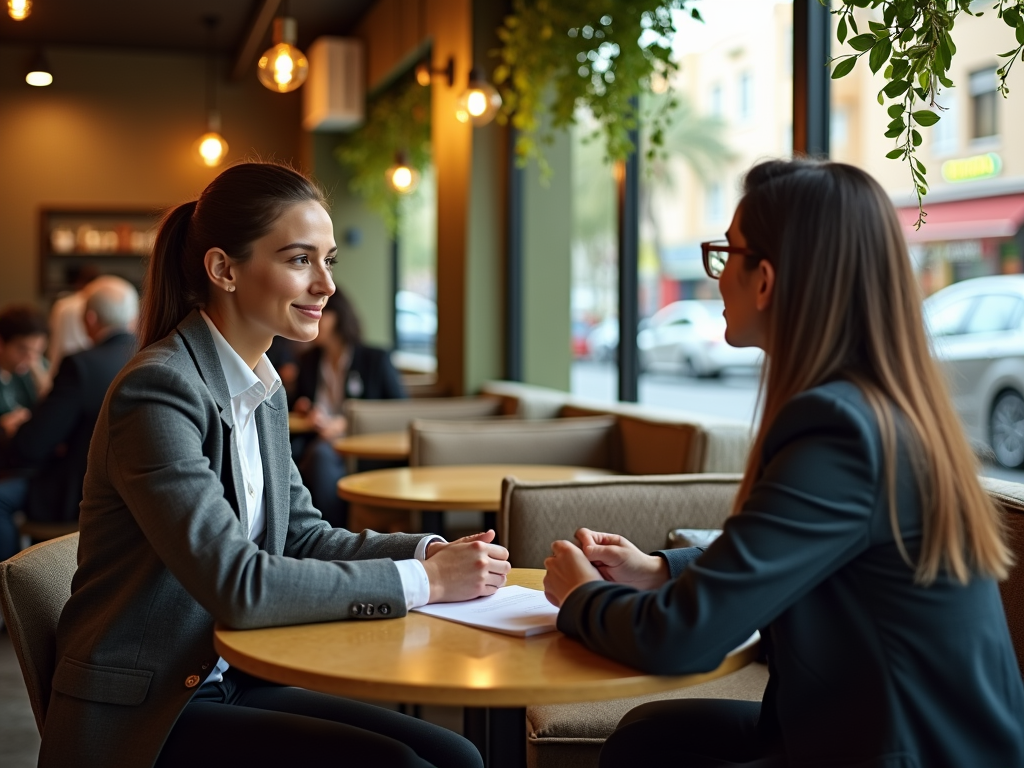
{"x": 370, "y": 376}
{"x": 867, "y": 669}
{"x": 55, "y": 441}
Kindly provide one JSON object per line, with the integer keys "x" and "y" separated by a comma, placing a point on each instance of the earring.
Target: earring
{"x": 231, "y": 289}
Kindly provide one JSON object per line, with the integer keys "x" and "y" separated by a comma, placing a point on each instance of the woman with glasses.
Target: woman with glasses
{"x": 861, "y": 545}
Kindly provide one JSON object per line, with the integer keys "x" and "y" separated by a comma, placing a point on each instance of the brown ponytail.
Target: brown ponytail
{"x": 236, "y": 208}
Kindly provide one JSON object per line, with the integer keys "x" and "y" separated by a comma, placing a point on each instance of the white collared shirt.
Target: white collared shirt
{"x": 248, "y": 389}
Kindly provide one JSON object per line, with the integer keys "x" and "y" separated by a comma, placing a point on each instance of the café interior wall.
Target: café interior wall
{"x": 547, "y": 268}
{"x": 115, "y": 130}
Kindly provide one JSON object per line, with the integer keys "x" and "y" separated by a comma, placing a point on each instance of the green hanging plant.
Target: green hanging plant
{"x": 913, "y": 47}
{"x": 559, "y": 55}
{"x": 397, "y": 120}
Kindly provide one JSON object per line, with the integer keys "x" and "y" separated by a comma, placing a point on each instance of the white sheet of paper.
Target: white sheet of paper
{"x": 512, "y": 610}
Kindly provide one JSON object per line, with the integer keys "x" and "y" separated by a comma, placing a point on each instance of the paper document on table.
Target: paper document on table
{"x": 513, "y": 610}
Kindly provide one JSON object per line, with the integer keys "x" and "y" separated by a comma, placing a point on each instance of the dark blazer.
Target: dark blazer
{"x": 371, "y": 376}
{"x": 867, "y": 668}
{"x": 164, "y": 553}
{"x": 55, "y": 441}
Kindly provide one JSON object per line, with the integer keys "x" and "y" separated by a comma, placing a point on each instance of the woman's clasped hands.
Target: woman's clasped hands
{"x": 599, "y": 557}
{"x": 466, "y": 568}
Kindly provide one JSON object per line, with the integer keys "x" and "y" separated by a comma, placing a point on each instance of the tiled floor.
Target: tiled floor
{"x": 19, "y": 740}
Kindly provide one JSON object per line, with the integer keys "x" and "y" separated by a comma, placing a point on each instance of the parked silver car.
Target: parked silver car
{"x": 691, "y": 335}
{"x": 977, "y": 330}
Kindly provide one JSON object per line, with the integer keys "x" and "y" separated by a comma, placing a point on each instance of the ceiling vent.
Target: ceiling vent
{"x": 334, "y": 96}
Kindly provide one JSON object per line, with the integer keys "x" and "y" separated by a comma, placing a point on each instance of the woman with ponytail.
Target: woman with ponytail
{"x": 194, "y": 513}
{"x": 861, "y": 545}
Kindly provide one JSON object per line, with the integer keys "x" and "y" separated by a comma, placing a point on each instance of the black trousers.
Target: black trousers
{"x": 244, "y": 721}
{"x": 692, "y": 733}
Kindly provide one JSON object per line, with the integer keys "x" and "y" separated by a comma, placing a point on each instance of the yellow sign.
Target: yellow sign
{"x": 972, "y": 168}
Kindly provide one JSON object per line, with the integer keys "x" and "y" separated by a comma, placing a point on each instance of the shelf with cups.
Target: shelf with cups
{"x": 108, "y": 241}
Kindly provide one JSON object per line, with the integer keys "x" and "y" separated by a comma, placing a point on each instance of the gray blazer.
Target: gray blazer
{"x": 164, "y": 553}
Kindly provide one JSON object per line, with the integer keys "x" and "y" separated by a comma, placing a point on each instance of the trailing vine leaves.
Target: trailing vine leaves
{"x": 914, "y": 45}
{"x": 396, "y": 120}
{"x": 558, "y": 55}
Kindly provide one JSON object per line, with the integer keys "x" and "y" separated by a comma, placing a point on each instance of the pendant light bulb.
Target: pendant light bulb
{"x": 283, "y": 67}
{"x": 210, "y": 149}
{"x": 401, "y": 176}
{"x": 19, "y": 9}
{"x": 39, "y": 73}
{"x": 480, "y": 102}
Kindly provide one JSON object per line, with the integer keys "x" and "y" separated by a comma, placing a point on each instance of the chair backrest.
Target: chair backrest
{"x": 34, "y": 585}
{"x": 643, "y": 509}
{"x": 372, "y": 416}
{"x": 1010, "y": 496}
{"x": 574, "y": 442}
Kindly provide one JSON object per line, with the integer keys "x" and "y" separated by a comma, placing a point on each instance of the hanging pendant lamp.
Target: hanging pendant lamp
{"x": 210, "y": 149}
{"x": 283, "y": 67}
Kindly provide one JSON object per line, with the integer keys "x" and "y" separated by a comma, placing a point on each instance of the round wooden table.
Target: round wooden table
{"x": 299, "y": 424}
{"x": 381, "y": 446}
{"x": 476, "y": 487}
{"x": 427, "y": 660}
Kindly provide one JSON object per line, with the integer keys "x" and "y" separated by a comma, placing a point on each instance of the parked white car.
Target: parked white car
{"x": 977, "y": 330}
{"x": 691, "y": 335}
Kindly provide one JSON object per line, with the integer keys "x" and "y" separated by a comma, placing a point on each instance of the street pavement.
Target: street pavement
{"x": 733, "y": 396}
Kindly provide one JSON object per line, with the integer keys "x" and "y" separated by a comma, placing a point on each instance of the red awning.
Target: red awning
{"x": 965, "y": 219}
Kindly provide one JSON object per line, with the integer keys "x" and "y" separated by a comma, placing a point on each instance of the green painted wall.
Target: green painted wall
{"x": 485, "y": 257}
{"x": 364, "y": 268}
{"x": 547, "y": 269}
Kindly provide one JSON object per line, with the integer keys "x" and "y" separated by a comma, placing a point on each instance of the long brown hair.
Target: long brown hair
{"x": 236, "y": 208}
{"x": 846, "y": 305}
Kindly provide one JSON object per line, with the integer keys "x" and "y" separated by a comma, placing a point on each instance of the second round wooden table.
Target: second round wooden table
{"x": 437, "y": 489}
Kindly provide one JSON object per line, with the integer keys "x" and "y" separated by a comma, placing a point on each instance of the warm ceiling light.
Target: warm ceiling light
{"x": 283, "y": 67}
{"x": 402, "y": 177}
{"x": 39, "y": 73}
{"x": 211, "y": 149}
{"x": 19, "y": 9}
{"x": 480, "y": 102}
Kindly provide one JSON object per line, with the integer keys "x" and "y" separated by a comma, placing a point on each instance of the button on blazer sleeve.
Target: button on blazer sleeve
{"x": 161, "y": 425}
{"x": 808, "y": 515}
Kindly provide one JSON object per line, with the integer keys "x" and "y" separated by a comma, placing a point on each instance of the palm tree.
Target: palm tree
{"x": 695, "y": 138}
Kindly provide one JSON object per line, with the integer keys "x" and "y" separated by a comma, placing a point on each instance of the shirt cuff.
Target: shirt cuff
{"x": 426, "y": 541}
{"x": 415, "y": 583}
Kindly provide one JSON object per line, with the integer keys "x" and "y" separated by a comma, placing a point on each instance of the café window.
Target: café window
{"x": 984, "y": 100}
{"x": 746, "y": 96}
{"x": 715, "y": 100}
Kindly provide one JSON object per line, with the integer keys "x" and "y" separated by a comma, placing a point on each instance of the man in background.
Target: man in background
{"x": 67, "y": 326}
{"x": 54, "y": 442}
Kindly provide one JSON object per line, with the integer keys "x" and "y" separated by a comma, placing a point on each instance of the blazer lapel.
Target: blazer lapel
{"x": 271, "y": 423}
{"x": 197, "y": 338}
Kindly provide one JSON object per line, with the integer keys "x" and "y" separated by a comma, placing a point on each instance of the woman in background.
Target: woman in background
{"x": 340, "y": 367}
{"x": 862, "y": 545}
{"x": 193, "y": 513}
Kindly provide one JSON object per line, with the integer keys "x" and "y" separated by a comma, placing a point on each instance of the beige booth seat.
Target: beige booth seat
{"x": 702, "y": 443}
{"x": 374, "y": 416}
{"x": 644, "y": 509}
{"x": 584, "y": 442}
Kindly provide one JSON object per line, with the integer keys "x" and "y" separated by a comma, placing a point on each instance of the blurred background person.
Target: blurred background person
{"x": 54, "y": 442}
{"x": 337, "y": 368}
{"x": 23, "y": 375}
{"x": 67, "y": 326}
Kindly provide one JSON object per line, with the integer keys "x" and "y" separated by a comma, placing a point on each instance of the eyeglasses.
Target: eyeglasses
{"x": 716, "y": 253}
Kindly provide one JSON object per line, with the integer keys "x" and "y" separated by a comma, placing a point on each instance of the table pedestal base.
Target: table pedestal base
{"x": 499, "y": 734}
